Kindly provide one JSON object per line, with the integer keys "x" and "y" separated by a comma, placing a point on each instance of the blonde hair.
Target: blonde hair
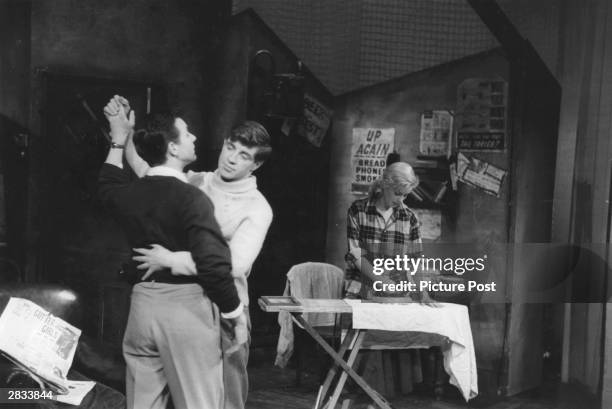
{"x": 398, "y": 175}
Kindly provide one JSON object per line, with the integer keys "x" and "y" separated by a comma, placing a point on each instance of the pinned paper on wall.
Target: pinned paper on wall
{"x": 481, "y": 114}
{"x": 480, "y": 174}
{"x": 314, "y": 123}
{"x": 436, "y": 130}
{"x": 369, "y": 155}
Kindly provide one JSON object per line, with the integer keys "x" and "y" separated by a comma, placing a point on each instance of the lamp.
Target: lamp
{"x": 275, "y": 95}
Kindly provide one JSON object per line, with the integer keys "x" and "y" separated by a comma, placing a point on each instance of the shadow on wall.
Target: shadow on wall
{"x": 557, "y": 265}
{"x": 14, "y": 159}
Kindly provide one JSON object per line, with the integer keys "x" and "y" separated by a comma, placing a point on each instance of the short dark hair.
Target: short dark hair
{"x": 253, "y": 134}
{"x": 151, "y": 141}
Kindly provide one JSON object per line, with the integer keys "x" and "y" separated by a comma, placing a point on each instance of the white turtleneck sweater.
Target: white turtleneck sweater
{"x": 244, "y": 217}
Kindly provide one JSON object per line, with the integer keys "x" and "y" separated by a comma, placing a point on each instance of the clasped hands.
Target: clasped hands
{"x": 121, "y": 118}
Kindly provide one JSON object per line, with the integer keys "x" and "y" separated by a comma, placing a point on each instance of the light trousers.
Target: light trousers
{"x": 235, "y": 377}
{"x": 172, "y": 347}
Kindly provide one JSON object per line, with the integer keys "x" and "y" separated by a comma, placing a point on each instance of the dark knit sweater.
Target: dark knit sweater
{"x": 177, "y": 216}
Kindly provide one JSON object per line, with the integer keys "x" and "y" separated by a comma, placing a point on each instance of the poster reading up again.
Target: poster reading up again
{"x": 369, "y": 155}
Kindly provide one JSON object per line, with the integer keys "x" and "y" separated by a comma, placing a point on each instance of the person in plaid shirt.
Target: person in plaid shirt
{"x": 382, "y": 226}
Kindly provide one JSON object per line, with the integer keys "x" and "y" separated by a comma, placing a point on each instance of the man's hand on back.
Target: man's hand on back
{"x": 158, "y": 257}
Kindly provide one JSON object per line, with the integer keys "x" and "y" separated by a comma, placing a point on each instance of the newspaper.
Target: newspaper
{"x": 38, "y": 341}
{"x": 480, "y": 174}
{"x": 76, "y": 392}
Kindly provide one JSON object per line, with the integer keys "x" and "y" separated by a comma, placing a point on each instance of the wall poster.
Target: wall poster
{"x": 369, "y": 155}
{"x": 316, "y": 119}
{"x": 481, "y": 114}
{"x": 436, "y": 130}
{"x": 480, "y": 174}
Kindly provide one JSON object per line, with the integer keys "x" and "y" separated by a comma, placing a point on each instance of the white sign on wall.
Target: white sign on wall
{"x": 436, "y": 128}
{"x": 316, "y": 119}
{"x": 369, "y": 155}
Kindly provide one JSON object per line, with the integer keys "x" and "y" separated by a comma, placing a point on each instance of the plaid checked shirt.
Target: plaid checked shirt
{"x": 371, "y": 237}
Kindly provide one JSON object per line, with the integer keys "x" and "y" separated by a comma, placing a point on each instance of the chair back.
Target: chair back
{"x": 316, "y": 280}
{"x": 308, "y": 280}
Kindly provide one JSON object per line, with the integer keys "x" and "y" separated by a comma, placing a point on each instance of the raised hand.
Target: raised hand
{"x": 125, "y": 103}
{"x": 120, "y": 118}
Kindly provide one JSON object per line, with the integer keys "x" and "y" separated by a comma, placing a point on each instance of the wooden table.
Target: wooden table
{"x": 354, "y": 339}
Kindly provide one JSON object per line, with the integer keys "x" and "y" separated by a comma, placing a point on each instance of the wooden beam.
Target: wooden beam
{"x": 499, "y": 25}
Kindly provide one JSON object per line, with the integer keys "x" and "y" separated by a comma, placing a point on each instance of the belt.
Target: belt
{"x": 171, "y": 280}
{"x": 133, "y": 276}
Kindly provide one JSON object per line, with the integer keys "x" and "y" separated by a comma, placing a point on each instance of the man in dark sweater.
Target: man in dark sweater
{"x": 172, "y": 336}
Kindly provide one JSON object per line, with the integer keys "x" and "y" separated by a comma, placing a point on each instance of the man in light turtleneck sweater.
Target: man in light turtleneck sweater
{"x": 244, "y": 217}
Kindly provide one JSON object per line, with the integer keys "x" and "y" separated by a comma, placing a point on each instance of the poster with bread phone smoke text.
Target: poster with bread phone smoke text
{"x": 369, "y": 156}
